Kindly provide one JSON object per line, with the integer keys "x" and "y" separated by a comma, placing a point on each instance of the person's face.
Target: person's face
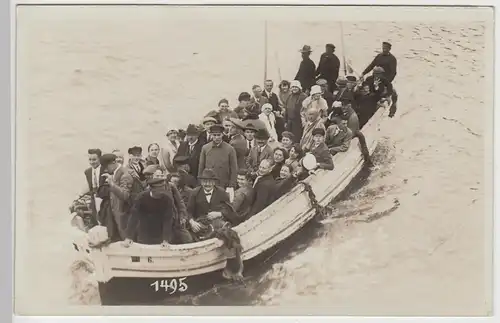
{"x": 343, "y": 124}
{"x": 267, "y": 111}
{"x": 264, "y": 167}
{"x": 386, "y": 49}
{"x": 285, "y": 172}
{"x": 158, "y": 174}
{"x": 207, "y": 184}
{"x": 318, "y": 139}
{"x": 323, "y": 87}
{"x": 285, "y": 88}
{"x": 306, "y": 55}
{"x": 175, "y": 180}
{"x": 227, "y": 126}
{"x": 224, "y": 105}
{"x": 316, "y": 96}
{"x": 191, "y": 138}
{"x": 257, "y": 92}
{"x": 134, "y": 159}
{"x": 311, "y": 115}
{"x": 293, "y": 154}
{"x": 261, "y": 142}
{"x": 329, "y": 49}
{"x": 365, "y": 90}
{"x": 172, "y": 136}
{"x": 295, "y": 89}
{"x": 350, "y": 85}
{"x": 233, "y": 130}
{"x": 94, "y": 160}
{"x": 111, "y": 167}
{"x": 242, "y": 181}
{"x": 154, "y": 150}
{"x": 286, "y": 141}
{"x": 217, "y": 137}
{"x": 268, "y": 86}
{"x": 207, "y": 125}
{"x": 278, "y": 156}
{"x": 245, "y": 103}
{"x": 249, "y": 134}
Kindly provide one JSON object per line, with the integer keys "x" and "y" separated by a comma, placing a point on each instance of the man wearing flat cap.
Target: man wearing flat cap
{"x": 306, "y": 74}
{"x": 191, "y": 148}
{"x": 120, "y": 186}
{"x": 238, "y": 141}
{"x": 221, "y": 158}
{"x": 328, "y": 67}
{"x": 385, "y": 60}
{"x": 320, "y": 150}
{"x": 260, "y": 151}
{"x": 205, "y": 136}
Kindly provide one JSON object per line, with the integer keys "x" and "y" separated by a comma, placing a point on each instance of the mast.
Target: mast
{"x": 265, "y": 50}
{"x": 343, "y": 48}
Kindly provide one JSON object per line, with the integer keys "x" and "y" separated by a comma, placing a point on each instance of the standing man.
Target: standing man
{"x": 192, "y": 149}
{"x": 136, "y": 169}
{"x": 258, "y": 98}
{"x": 250, "y": 131}
{"x": 328, "y": 66}
{"x": 389, "y": 63}
{"x": 94, "y": 180}
{"x": 238, "y": 141}
{"x": 273, "y": 99}
{"x": 221, "y": 158}
{"x": 120, "y": 185}
{"x": 306, "y": 74}
{"x": 205, "y": 136}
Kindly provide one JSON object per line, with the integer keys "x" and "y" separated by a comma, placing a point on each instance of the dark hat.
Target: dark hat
{"x": 288, "y": 134}
{"x": 387, "y": 43}
{"x": 107, "y": 159}
{"x": 208, "y": 174}
{"x": 306, "y": 49}
{"x": 318, "y": 131}
{"x": 181, "y": 160}
{"x": 216, "y": 128}
{"x": 330, "y": 45}
{"x": 341, "y": 81}
{"x": 136, "y": 150}
{"x": 321, "y": 82}
{"x": 192, "y": 130}
{"x": 250, "y": 126}
{"x": 156, "y": 182}
{"x": 351, "y": 78}
{"x": 181, "y": 133}
{"x": 262, "y": 134}
{"x": 237, "y": 122}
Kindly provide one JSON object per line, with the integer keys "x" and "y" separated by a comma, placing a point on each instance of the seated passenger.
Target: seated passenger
{"x": 208, "y": 207}
{"x": 286, "y": 180}
{"x": 238, "y": 141}
{"x": 342, "y": 93}
{"x": 264, "y": 187}
{"x": 295, "y": 155}
{"x": 365, "y": 104}
{"x": 119, "y": 156}
{"x": 176, "y": 180}
{"x": 320, "y": 150}
{"x": 151, "y": 216}
{"x": 314, "y": 101}
{"x": 287, "y": 140}
{"x": 338, "y": 137}
{"x": 153, "y": 152}
{"x": 344, "y": 111}
{"x": 279, "y": 157}
{"x": 149, "y": 171}
{"x": 379, "y": 85}
{"x": 325, "y": 93}
{"x": 181, "y": 163}
{"x": 243, "y": 196}
{"x": 260, "y": 151}
{"x": 313, "y": 121}
{"x": 268, "y": 117}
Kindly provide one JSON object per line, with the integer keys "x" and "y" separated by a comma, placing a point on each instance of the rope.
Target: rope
{"x": 321, "y": 211}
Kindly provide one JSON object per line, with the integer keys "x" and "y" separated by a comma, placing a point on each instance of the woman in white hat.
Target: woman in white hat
{"x": 293, "y": 107}
{"x": 267, "y": 116}
{"x": 314, "y": 101}
{"x": 168, "y": 151}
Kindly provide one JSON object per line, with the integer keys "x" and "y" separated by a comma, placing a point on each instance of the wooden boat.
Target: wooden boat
{"x": 145, "y": 271}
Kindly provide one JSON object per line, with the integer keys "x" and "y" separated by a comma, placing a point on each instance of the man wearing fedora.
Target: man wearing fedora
{"x": 221, "y": 158}
{"x": 136, "y": 169}
{"x": 306, "y": 74}
{"x": 151, "y": 217}
{"x": 250, "y": 131}
{"x": 191, "y": 148}
{"x": 328, "y": 66}
{"x": 260, "y": 151}
{"x": 208, "y": 205}
{"x": 238, "y": 141}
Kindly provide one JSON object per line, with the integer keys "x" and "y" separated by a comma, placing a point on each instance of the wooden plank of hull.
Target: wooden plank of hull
{"x": 263, "y": 231}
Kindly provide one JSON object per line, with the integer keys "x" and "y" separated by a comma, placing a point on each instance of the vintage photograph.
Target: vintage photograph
{"x": 334, "y": 159}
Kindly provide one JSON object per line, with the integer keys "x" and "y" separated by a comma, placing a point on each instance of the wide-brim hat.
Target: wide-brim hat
{"x": 208, "y": 119}
{"x": 250, "y": 126}
{"x": 315, "y": 89}
{"x": 295, "y": 83}
{"x": 341, "y": 81}
{"x": 135, "y": 150}
{"x": 237, "y": 122}
{"x": 321, "y": 82}
{"x": 262, "y": 134}
{"x": 192, "y": 130}
{"x": 208, "y": 174}
{"x": 181, "y": 160}
{"x": 216, "y": 128}
{"x": 378, "y": 70}
{"x": 305, "y": 49}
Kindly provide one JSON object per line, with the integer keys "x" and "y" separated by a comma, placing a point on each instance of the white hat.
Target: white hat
{"x": 315, "y": 89}
{"x": 337, "y": 104}
{"x": 266, "y": 106}
{"x": 296, "y": 84}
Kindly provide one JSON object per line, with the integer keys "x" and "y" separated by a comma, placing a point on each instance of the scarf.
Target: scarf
{"x": 270, "y": 122}
{"x": 307, "y": 138}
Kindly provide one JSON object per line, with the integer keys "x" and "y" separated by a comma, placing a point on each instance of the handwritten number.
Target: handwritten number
{"x": 182, "y": 285}
{"x": 173, "y": 285}
{"x": 155, "y": 284}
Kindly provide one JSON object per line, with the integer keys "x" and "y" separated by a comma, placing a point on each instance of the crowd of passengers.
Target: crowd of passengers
{"x": 237, "y": 161}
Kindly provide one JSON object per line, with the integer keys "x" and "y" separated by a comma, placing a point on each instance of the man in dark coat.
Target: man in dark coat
{"x": 152, "y": 215}
{"x": 238, "y": 141}
{"x": 328, "y": 67}
{"x": 243, "y": 196}
{"x": 191, "y": 148}
{"x": 260, "y": 151}
{"x": 320, "y": 150}
{"x": 204, "y": 136}
{"x": 293, "y": 109}
{"x": 136, "y": 169}
{"x": 264, "y": 187}
{"x": 181, "y": 163}
{"x": 273, "y": 99}
{"x": 221, "y": 158}
{"x": 306, "y": 74}
{"x": 120, "y": 185}
{"x": 385, "y": 60}
{"x": 365, "y": 104}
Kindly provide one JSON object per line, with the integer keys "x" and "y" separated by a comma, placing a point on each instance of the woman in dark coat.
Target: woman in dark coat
{"x": 280, "y": 155}
{"x": 293, "y": 107}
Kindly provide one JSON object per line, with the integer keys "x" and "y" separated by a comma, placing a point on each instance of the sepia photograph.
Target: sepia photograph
{"x": 320, "y": 160}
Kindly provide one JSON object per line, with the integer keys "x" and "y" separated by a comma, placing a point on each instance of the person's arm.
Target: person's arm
{"x": 123, "y": 188}
{"x": 191, "y": 205}
{"x": 394, "y": 66}
{"x": 326, "y": 161}
{"x": 299, "y": 72}
{"x": 238, "y": 200}
{"x": 370, "y": 67}
{"x": 320, "y": 64}
{"x": 178, "y": 202}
